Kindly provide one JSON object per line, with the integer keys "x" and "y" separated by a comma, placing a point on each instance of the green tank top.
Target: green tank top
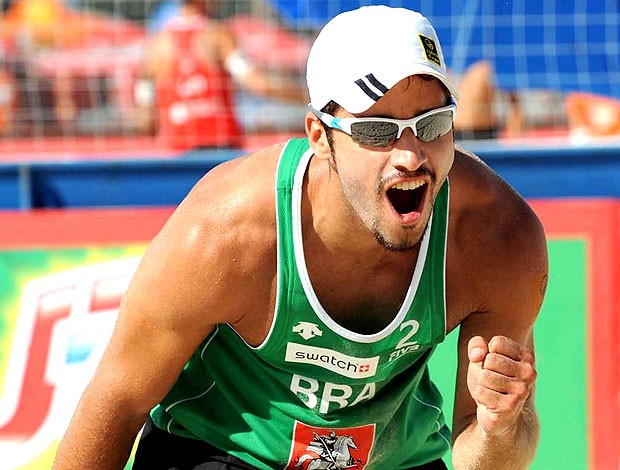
{"x": 315, "y": 394}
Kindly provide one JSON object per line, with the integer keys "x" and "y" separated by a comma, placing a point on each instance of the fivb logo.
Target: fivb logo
{"x": 348, "y": 366}
{"x": 65, "y": 321}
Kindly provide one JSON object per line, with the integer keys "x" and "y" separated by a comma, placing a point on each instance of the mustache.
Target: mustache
{"x": 388, "y": 180}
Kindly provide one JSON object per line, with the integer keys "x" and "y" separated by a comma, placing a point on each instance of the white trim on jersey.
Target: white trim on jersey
{"x": 307, "y": 284}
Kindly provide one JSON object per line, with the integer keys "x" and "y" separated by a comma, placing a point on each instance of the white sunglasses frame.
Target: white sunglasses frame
{"x": 344, "y": 124}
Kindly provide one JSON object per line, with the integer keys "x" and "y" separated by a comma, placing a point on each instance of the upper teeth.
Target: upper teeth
{"x": 408, "y": 185}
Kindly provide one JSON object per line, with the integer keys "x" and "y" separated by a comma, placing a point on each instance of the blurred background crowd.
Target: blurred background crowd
{"x": 185, "y": 74}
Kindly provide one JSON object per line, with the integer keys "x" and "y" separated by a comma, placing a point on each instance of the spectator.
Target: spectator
{"x": 190, "y": 71}
{"x": 476, "y": 117}
{"x": 591, "y": 115}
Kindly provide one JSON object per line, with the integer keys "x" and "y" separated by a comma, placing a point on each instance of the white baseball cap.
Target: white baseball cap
{"x": 359, "y": 55}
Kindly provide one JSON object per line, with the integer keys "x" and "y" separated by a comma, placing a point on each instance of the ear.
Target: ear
{"x": 317, "y": 136}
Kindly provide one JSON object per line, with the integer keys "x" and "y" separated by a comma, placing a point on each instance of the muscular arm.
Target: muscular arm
{"x": 495, "y": 424}
{"x": 178, "y": 293}
{"x": 501, "y": 430}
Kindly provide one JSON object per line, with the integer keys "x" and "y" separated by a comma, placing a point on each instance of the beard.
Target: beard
{"x": 409, "y": 243}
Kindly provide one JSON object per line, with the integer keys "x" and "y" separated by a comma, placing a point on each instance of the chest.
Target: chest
{"x": 361, "y": 301}
{"x": 364, "y": 303}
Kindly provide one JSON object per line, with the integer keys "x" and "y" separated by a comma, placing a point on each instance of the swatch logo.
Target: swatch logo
{"x": 348, "y": 366}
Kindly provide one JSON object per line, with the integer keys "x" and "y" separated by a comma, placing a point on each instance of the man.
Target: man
{"x": 188, "y": 78}
{"x": 252, "y": 327}
{"x": 477, "y": 118}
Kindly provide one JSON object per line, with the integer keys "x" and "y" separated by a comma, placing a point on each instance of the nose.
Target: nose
{"x": 407, "y": 153}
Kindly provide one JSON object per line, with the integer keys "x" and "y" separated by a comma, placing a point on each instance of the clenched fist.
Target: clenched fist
{"x": 500, "y": 376}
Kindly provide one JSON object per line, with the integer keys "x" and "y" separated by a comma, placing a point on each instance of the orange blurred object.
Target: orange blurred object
{"x": 592, "y": 115}
{"x": 36, "y": 12}
{"x": 48, "y": 23}
{"x": 39, "y": 19}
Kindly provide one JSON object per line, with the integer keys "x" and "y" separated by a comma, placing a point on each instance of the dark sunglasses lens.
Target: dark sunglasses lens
{"x": 374, "y": 133}
{"x": 434, "y": 126}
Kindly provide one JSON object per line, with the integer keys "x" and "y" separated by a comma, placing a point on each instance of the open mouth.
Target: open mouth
{"x": 407, "y": 197}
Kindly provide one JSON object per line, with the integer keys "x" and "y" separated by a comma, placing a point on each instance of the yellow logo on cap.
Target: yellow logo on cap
{"x": 430, "y": 49}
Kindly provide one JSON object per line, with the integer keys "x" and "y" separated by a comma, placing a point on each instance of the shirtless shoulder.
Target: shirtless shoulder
{"x": 496, "y": 243}
{"x": 235, "y": 206}
{"x": 218, "y": 248}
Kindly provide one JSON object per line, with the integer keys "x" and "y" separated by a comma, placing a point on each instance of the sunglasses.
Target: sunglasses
{"x": 383, "y": 132}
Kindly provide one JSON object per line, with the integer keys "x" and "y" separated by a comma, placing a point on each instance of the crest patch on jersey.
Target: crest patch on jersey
{"x": 430, "y": 49}
{"x": 330, "y": 448}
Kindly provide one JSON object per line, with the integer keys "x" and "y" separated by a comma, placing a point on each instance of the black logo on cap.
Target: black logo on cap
{"x": 365, "y": 84}
{"x": 430, "y": 49}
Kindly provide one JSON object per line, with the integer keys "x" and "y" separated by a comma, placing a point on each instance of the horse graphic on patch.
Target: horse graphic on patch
{"x": 330, "y": 448}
